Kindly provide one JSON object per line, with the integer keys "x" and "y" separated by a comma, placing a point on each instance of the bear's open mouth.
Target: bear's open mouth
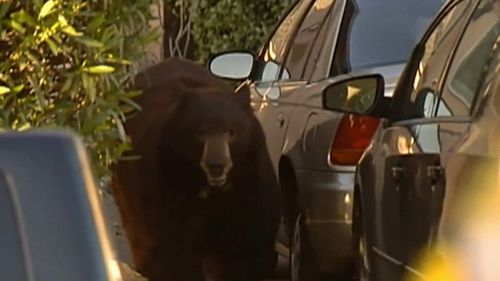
{"x": 217, "y": 182}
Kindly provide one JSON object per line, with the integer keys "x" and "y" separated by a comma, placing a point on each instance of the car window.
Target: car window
{"x": 469, "y": 67}
{"x": 381, "y": 32}
{"x": 307, "y": 36}
{"x": 274, "y": 52}
{"x": 318, "y": 65}
{"x": 429, "y": 65}
{"x": 12, "y": 263}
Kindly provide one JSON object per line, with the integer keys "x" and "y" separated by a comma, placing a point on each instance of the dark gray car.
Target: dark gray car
{"x": 51, "y": 223}
{"x": 314, "y": 151}
{"x": 436, "y": 151}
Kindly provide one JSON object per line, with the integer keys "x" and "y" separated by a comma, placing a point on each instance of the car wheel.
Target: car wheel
{"x": 302, "y": 264}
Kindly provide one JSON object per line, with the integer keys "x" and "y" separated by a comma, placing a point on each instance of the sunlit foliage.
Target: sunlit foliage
{"x": 67, "y": 63}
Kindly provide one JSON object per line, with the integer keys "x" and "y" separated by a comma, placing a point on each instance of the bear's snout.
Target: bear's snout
{"x": 216, "y": 159}
{"x": 216, "y": 171}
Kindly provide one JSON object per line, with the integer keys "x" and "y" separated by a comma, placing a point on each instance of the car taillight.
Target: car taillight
{"x": 353, "y": 135}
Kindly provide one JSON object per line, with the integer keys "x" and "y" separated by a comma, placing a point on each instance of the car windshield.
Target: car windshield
{"x": 383, "y": 32}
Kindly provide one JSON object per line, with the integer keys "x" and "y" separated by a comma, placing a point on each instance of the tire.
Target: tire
{"x": 303, "y": 266}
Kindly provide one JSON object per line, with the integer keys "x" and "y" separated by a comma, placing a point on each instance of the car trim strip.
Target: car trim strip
{"x": 381, "y": 254}
{"x": 410, "y": 269}
{"x": 332, "y": 221}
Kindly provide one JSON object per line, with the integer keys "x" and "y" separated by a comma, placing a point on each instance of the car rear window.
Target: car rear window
{"x": 12, "y": 262}
{"x": 383, "y": 32}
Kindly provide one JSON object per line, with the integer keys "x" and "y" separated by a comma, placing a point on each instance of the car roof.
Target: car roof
{"x": 53, "y": 199}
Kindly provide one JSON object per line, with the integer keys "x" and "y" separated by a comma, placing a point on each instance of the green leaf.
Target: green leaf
{"x": 119, "y": 61}
{"x": 62, "y": 20}
{"x": 71, "y": 31}
{"x": 119, "y": 126}
{"x": 85, "y": 81}
{"x": 24, "y": 127}
{"x": 18, "y": 88}
{"x": 99, "y": 69}
{"x": 4, "y": 90}
{"x": 89, "y": 85}
{"x": 23, "y": 17}
{"x": 92, "y": 91}
{"x": 4, "y": 8}
{"x": 67, "y": 84}
{"x": 132, "y": 104}
{"x": 17, "y": 26}
{"x": 47, "y": 8}
{"x": 53, "y": 46}
{"x": 33, "y": 58}
{"x": 64, "y": 105}
{"x": 132, "y": 94}
{"x": 89, "y": 42}
{"x": 96, "y": 23}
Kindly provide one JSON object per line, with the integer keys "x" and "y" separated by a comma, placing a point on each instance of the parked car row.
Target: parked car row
{"x": 375, "y": 156}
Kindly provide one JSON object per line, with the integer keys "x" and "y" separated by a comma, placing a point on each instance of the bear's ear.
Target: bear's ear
{"x": 243, "y": 95}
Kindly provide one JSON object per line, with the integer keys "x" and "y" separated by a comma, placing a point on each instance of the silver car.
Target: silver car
{"x": 426, "y": 199}
{"x": 314, "y": 151}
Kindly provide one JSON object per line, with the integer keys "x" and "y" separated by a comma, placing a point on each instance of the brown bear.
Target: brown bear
{"x": 202, "y": 201}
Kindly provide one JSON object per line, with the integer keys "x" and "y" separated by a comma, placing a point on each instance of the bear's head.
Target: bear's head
{"x": 213, "y": 129}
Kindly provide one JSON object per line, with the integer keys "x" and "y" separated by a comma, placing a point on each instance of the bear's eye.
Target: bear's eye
{"x": 231, "y": 133}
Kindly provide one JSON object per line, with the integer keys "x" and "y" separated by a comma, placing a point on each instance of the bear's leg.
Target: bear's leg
{"x": 236, "y": 268}
{"x": 218, "y": 268}
{"x": 172, "y": 263}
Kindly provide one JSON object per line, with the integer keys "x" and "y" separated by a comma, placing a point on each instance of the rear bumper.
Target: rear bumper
{"x": 326, "y": 198}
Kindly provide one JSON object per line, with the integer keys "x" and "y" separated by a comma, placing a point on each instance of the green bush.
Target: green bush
{"x": 67, "y": 63}
{"x": 234, "y": 24}
{"x": 218, "y": 25}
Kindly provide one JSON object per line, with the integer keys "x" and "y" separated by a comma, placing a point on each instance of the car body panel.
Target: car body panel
{"x": 57, "y": 209}
{"x": 419, "y": 178}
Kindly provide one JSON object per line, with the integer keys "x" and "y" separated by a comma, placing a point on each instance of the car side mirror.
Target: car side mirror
{"x": 358, "y": 95}
{"x": 234, "y": 65}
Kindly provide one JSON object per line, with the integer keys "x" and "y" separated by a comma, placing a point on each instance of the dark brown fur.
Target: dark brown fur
{"x": 174, "y": 233}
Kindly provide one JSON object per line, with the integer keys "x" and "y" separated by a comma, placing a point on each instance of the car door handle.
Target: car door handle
{"x": 397, "y": 172}
{"x": 435, "y": 172}
{"x": 281, "y": 120}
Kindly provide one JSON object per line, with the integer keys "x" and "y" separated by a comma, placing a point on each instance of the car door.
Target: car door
{"x": 272, "y": 101}
{"x": 314, "y": 60}
{"x": 458, "y": 95}
{"x": 409, "y": 149}
{"x": 469, "y": 157}
{"x": 301, "y": 56}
